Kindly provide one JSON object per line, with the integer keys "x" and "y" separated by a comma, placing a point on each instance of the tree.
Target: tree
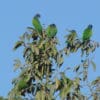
{"x": 41, "y": 75}
{"x": 1, "y": 98}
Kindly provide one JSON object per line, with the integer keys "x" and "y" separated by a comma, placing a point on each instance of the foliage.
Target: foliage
{"x": 41, "y": 76}
{"x": 1, "y": 98}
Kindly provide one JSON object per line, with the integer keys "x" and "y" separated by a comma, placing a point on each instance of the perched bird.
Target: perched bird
{"x": 36, "y": 23}
{"x": 87, "y": 33}
{"x": 51, "y": 30}
{"x": 71, "y": 37}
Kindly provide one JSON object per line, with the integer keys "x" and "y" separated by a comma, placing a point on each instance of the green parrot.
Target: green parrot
{"x": 87, "y": 33}
{"x": 51, "y": 30}
{"x": 36, "y": 23}
{"x": 71, "y": 37}
{"x": 23, "y": 83}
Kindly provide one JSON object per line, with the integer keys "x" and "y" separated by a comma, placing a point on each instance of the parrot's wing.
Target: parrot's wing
{"x": 51, "y": 31}
{"x": 36, "y": 23}
{"x": 54, "y": 31}
{"x": 48, "y": 31}
{"x": 87, "y": 34}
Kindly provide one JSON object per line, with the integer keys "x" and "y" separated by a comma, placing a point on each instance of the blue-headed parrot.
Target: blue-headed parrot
{"x": 87, "y": 33}
{"x": 36, "y": 23}
{"x": 51, "y": 30}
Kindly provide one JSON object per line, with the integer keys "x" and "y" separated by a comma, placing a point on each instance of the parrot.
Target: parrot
{"x": 36, "y": 23}
{"x": 87, "y": 33}
{"x": 22, "y": 85}
{"x": 71, "y": 37}
{"x": 51, "y": 30}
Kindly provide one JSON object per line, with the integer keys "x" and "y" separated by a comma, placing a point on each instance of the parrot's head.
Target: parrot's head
{"x": 53, "y": 25}
{"x": 90, "y": 26}
{"x": 37, "y": 16}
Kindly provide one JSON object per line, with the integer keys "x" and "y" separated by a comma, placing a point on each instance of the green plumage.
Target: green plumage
{"x": 87, "y": 33}
{"x": 51, "y": 31}
{"x": 22, "y": 85}
{"x": 36, "y": 23}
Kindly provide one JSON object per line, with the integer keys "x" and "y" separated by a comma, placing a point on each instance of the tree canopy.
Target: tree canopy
{"x": 41, "y": 75}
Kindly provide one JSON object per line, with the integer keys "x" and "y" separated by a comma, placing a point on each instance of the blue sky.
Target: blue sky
{"x": 16, "y": 15}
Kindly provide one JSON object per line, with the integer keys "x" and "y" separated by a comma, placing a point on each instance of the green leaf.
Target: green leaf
{"x": 40, "y": 95}
{"x": 58, "y": 84}
{"x": 32, "y": 48}
{"x": 30, "y": 28}
{"x": 25, "y": 51}
{"x": 36, "y": 50}
{"x": 17, "y": 64}
{"x": 60, "y": 59}
{"x": 76, "y": 68}
{"x": 15, "y": 80}
{"x": 28, "y": 36}
{"x": 94, "y": 65}
{"x": 18, "y": 44}
{"x": 85, "y": 75}
{"x": 96, "y": 81}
